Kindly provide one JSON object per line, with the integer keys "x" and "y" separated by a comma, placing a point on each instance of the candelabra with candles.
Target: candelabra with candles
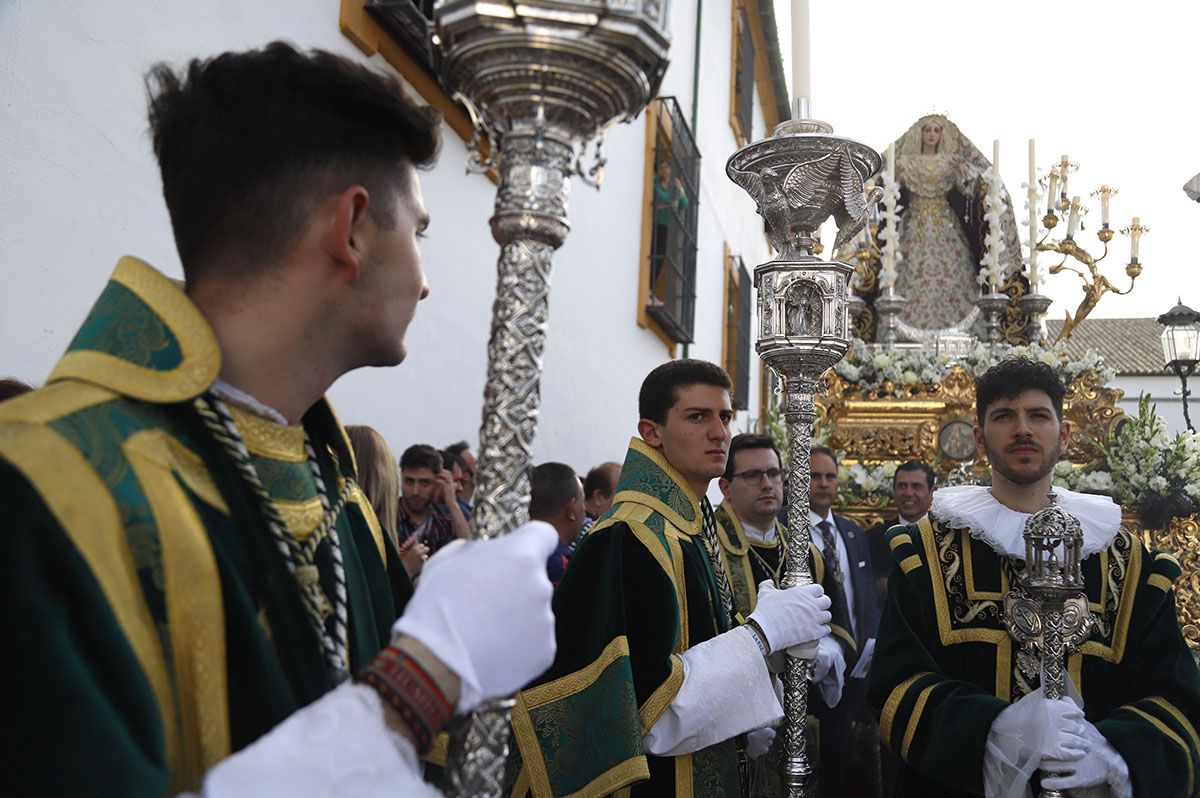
{"x": 799, "y": 177}
{"x": 1047, "y": 611}
{"x": 1075, "y": 258}
{"x": 541, "y": 79}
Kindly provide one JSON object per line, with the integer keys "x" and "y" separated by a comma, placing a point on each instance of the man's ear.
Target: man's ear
{"x": 651, "y": 433}
{"x": 1064, "y": 435}
{"x": 723, "y": 484}
{"x": 978, "y": 430}
{"x": 351, "y": 231}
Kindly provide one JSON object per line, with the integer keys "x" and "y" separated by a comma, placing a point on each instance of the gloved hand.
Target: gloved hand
{"x": 829, "y": 671}
{"x": 758, "y": 742}
{"x": 1101, "y": 765}
{"x": 1052, "y": 727}
{"x": 793, "y": 616}
{"x": 483, "y": 609}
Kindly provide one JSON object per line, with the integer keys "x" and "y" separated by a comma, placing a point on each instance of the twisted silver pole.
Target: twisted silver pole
{"x": 529, "y": 223}
{"x": 800, "y": 415}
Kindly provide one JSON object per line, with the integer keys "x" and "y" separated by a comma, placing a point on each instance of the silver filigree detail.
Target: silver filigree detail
{"x": 539, "y": 79}
{"x": 799, "y": 177}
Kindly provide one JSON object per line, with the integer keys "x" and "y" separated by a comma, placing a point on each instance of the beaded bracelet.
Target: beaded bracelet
{"x": 408, "y": 688}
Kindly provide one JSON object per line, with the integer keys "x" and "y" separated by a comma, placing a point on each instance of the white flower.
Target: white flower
{"x": 882, "y": 360}
{"x": 869, "y": 484}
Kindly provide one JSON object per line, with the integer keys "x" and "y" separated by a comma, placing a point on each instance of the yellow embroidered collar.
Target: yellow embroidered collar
{"x": 648, "y": 479}
{"x": 143, "y": 339}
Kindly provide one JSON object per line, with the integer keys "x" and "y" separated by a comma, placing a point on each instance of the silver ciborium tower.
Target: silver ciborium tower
{"x": 1047, "y": 612}
{"x": 541, "y": 79}
{"x": 800, "y": 176}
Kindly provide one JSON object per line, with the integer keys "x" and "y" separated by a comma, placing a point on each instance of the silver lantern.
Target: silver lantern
{"x": 541, "y": 80}
{"x": 799, "y": 177}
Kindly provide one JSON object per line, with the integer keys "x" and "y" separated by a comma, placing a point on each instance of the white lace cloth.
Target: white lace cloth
{"x": 726, "y": 691}
{"x": 972, "y": 507}
{"x": 338, "y": 745}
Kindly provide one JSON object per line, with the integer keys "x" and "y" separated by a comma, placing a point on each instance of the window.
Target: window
{"x": 411, "y": 23}
{"x": 668, "y": 273}
{"x": 737, "y": 329}
{"x": 400, "y": 31}
{"x": 741, "y": 105}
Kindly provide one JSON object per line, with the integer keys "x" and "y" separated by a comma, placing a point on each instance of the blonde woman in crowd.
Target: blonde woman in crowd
{"x": 379, "y": 478}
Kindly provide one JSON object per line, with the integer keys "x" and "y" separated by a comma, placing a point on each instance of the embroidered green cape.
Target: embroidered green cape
{"x": 945, "y": 665}
{"x": 152, "y": 626}
{"x": 639, "y": 591}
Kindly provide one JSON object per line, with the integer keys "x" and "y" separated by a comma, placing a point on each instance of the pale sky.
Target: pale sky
{"x": 1108, "y": 83}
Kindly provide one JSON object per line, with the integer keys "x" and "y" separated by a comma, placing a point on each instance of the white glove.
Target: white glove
{"x": 1101, "y": 765}
{"x": 829, "y": 671}
{"x": 758, "y": 742}
{"x": 483, "y": 609}
{"x": 793, "y": 616}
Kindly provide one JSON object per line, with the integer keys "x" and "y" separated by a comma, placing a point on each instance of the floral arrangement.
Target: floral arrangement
{"x": 1143, "y": 466}
{"x": 992, "y": 272}
{"x": 865, "y": 484}
{"x": 898, "y": 371}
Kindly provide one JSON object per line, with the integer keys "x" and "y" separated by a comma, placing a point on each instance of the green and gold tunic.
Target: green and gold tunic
{"x": 945, "y": 665}
{"x": 152, "y": 625}
{"x": 638, "y": 593}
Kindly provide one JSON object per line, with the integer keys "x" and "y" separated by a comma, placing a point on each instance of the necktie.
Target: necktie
{"x": 712, "y": 546}
{"x": 833, "y": 566}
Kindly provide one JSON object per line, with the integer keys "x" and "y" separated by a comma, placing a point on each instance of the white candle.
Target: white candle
{"x": 801, "y": 65}
{"x": 1032, "y": 166}
{"x": 1074, "y": 221}
{"x": 891, "y": 163}
{"x": 1104, "y": 194}
{"x": 1135, "y": 233}
{"x": 1064, "y": 171}
{"x": 1033, "y": 217}
{"x": 995, "y": 156}
{"x": 1052, "y": 193}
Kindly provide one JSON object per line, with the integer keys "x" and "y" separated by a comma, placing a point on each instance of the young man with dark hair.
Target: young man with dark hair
{"x": 599, "y": 487}
{"x": 754, "y": 550}
{"x": 650, "y": 659}
{"x": 556, "y": 497}
{"x": 960, "y": 702}
{"x": 428, "y": 510}
{"x": 192, "y": 572}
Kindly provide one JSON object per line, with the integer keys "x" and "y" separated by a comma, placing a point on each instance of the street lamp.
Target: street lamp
{"x": 1181, "y": 347}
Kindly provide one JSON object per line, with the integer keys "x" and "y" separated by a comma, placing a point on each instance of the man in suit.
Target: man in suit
{"x": 912, "y": 490}
{"x": 852, "y": 768}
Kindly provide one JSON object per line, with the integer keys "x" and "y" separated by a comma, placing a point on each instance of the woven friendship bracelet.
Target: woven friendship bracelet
{"x": 411, "y": 691}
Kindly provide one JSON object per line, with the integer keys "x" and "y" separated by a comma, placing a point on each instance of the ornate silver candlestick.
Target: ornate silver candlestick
{"x": 541, "y": 79}
{"x": 800, "y": 176}
{"x": 1048, "y": 613}
{"x": 889, "y": 306}
{"x": 1035, "y": 306}
{"x": 992, "y": 306}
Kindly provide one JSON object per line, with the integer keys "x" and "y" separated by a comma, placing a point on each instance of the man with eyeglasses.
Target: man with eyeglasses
{"x": 753, "y": 550}
{"x": 850, "y": 766}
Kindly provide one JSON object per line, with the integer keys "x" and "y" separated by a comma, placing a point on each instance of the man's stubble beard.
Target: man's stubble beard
{"x": 999, "y": 465}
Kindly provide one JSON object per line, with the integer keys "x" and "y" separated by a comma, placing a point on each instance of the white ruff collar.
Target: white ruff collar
{"x": 973, "y": 508}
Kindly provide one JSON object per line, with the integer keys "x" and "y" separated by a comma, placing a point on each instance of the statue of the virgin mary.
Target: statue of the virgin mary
{"x": 942, "y": 228}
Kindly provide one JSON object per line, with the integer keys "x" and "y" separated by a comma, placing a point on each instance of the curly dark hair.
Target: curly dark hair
{"x": 1008, "y": 379}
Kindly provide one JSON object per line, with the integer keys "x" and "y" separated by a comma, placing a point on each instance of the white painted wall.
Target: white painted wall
{"x": 79, "y": 188}
{"x": 1165, "y": 394}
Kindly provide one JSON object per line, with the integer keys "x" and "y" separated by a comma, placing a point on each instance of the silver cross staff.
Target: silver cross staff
{"x": 541, "y": 79}
{"x": 1050, "y": 614}
{"x": 799, "y": 177}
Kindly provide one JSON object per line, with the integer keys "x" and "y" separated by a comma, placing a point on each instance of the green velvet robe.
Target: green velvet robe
{"x": 945, "y": 666}
{"x": 639, "y": 591}
{"x": 152, "y": 626}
